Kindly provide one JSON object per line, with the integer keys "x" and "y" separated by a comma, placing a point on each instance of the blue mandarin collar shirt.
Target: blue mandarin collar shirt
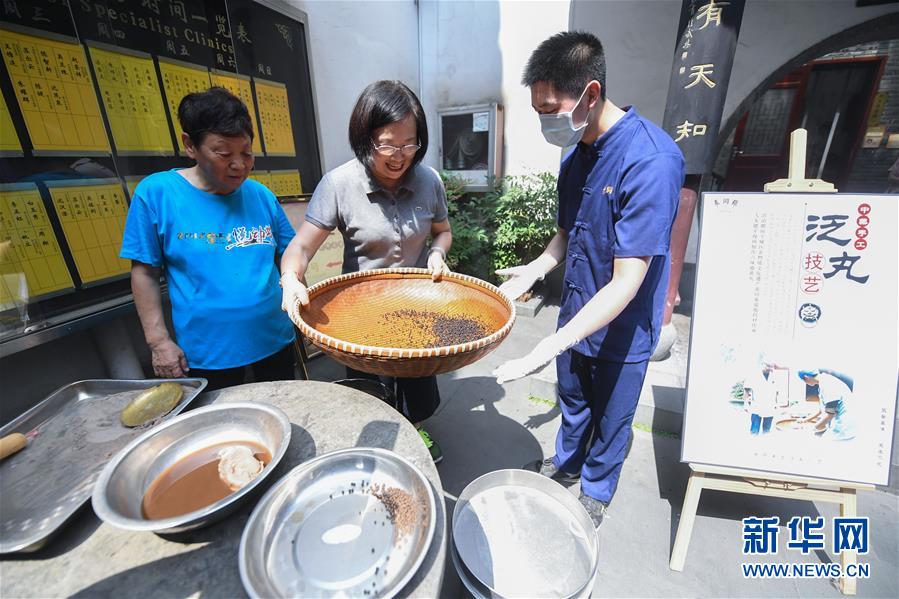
{"x": 617, "y": 199}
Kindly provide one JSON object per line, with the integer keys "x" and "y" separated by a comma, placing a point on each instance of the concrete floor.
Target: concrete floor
{"x": 482, "y": 426}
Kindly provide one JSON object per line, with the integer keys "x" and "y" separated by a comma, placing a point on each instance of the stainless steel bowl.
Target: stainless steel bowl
{"x": 518, "y": 533}
{"x": 123, "y": 483}
{"x": 319, "y": 532}
{"x": 475, "y": 589}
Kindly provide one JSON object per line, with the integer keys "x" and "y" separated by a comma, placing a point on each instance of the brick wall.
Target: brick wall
{"x": 869, "y": 170}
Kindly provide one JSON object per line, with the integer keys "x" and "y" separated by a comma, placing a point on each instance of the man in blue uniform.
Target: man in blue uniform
{"x": 618, "y": 194}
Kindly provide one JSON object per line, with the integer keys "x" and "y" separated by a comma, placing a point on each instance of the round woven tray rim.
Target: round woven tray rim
{"x": 404, "y": 352}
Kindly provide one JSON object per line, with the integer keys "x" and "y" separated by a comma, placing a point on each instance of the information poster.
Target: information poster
{"x": 277, "y": 131}
{"x": 239, "y": 85}
{"x": 92, "y": 214}
{"x": 328, "y": 260}
{"x": 134, "y": 109}
{"x": 55, "y": 93}
{"x": 261, "y": 176}
{"x": 285, "y": 184}
{"x": 180, "y": 79}
{"x": 9, "y": 139}
{"x": 31, "y": 262}
{"x": 793, "y": 353}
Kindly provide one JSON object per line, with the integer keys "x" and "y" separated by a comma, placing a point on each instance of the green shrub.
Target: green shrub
{"x": 525, "y": 217}
{"x": 471, "y": 219}
{"x": 454, "y": 185}
{"x": 507, "y": 226}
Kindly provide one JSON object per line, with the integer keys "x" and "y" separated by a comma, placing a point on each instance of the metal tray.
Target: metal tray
{"x": 521, "y": 534}
{"x": 317, "y": 533}
{"x": 72, "y": 435}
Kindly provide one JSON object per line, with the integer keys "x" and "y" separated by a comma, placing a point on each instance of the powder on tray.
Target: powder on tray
{"x": 401, "y": 508}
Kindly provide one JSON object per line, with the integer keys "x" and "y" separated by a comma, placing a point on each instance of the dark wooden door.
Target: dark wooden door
{"x": 761, "y": 147}
{"x": 830, "y": 99}
{"x": 838, "y": 96}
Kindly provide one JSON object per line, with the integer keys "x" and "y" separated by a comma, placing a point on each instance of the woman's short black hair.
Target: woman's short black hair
{"x": 568, "y": 61}
{"x": 215, "y": 110}
{"x": 380, "y": 104}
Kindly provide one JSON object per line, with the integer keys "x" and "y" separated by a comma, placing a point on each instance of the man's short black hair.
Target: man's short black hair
{"x": 383, "y": 103}
{"x": 215, "y": 110}
{"x": 569, "y": 61}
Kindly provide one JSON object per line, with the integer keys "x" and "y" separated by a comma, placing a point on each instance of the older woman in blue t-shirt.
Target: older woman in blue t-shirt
{"x": 217, "y": 236}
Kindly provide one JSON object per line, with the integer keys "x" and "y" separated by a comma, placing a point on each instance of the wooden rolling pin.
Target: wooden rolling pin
{"x": 10, "y": 444}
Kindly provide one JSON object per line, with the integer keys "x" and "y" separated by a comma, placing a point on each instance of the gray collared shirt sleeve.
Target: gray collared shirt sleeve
{"x": 322, "y": 209}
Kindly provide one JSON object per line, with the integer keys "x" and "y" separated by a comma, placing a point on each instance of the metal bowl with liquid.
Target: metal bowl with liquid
{"x": 120, "y": 490}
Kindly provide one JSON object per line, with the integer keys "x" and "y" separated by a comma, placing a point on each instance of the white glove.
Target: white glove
{"x": 293, "y": 295}
{"x": 540, "y": 356}
{"x": 521, "y": 279}
{"x": 437, "y": 265}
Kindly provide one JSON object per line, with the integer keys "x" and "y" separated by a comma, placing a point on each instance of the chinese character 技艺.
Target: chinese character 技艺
{"x": 813, "y": 261}
{"x": 811, "y": 283}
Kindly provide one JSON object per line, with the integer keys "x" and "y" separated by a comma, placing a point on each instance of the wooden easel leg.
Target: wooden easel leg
{"x": 848, "y": 509}
{"x": 687, "y": 517}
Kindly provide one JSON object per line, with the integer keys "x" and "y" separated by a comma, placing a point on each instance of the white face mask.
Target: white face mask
{"x": 559, "y": 129}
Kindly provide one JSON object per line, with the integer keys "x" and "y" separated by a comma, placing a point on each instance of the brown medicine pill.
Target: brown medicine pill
{"x": 10, "y": 444}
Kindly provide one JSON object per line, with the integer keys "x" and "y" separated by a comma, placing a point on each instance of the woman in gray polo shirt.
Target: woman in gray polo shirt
{"x": 386, "y": 205}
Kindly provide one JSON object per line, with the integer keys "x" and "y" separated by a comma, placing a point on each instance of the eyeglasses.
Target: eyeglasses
{"x": 407, "y": 150}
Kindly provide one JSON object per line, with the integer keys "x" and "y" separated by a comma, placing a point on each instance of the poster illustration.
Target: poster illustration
{"x": 793, "y": 354}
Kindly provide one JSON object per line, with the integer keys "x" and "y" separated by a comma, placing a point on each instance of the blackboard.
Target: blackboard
{"x": 239, "y": 37}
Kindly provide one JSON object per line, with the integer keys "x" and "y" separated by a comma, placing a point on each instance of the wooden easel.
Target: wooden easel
{"x": 796, "y": 181}
{"x": 770, "y": 484}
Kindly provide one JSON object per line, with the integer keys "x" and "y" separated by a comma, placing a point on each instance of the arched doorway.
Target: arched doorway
{"x": 840, "y": 90}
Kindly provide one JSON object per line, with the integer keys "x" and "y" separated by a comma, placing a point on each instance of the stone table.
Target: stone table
{"x": 90, "y": 558}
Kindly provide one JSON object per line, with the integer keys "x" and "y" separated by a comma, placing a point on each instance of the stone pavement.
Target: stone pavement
{"x": 482, "y": 427}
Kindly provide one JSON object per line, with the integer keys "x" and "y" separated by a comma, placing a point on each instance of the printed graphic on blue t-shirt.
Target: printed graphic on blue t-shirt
{"x": 219, "y": 253}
